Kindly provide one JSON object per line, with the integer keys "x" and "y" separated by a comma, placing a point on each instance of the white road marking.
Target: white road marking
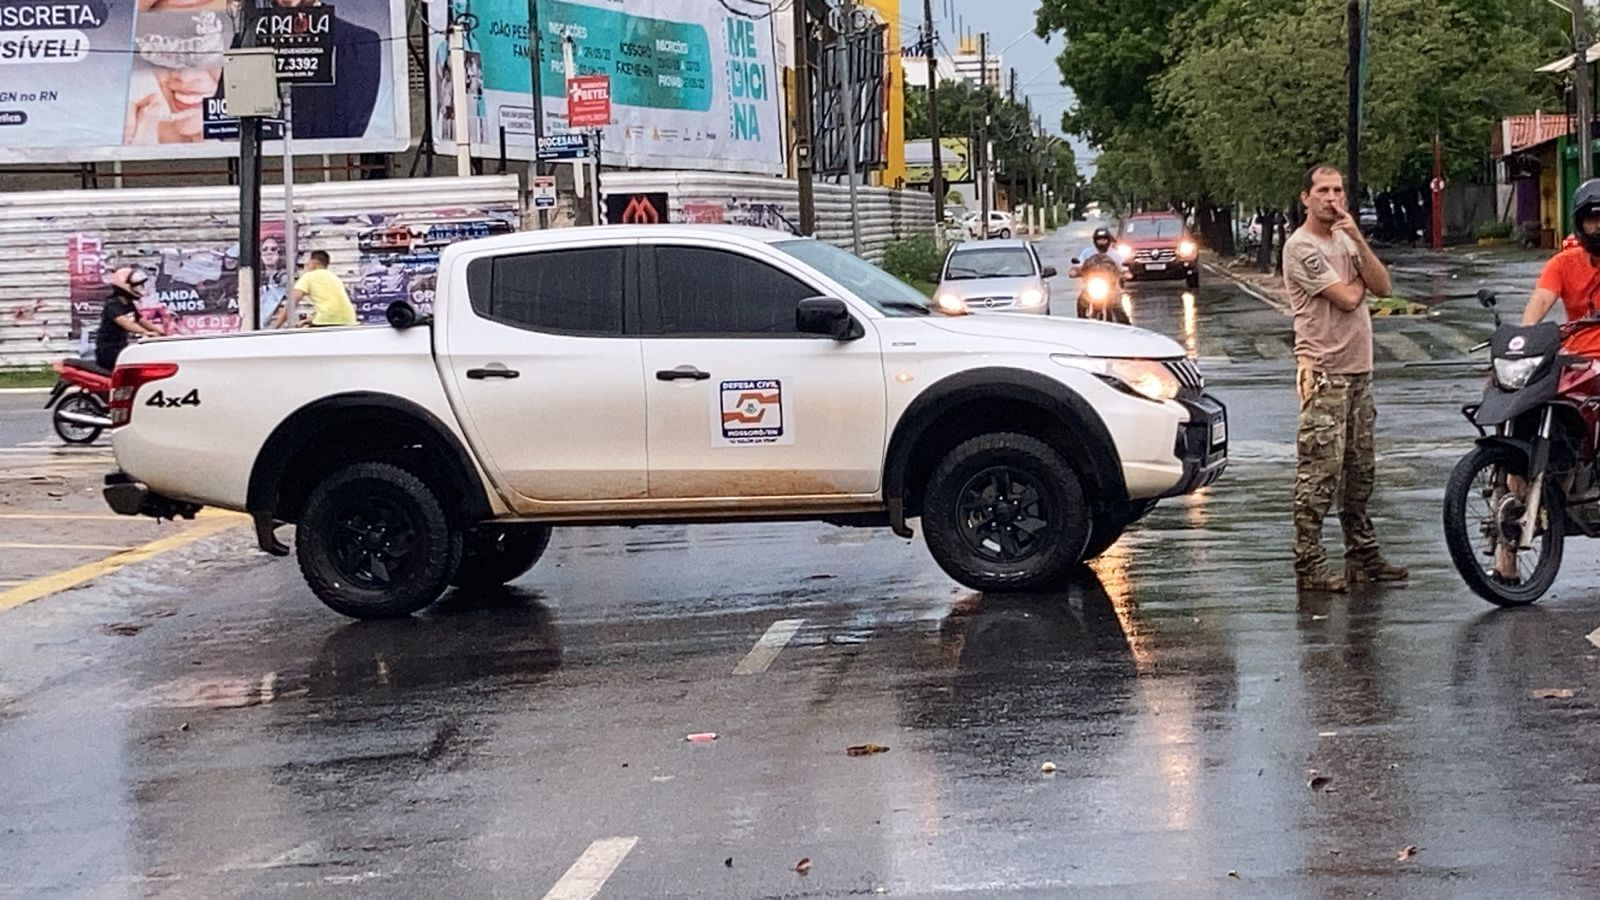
{"x": 1594, "y": 637}
{"x": 589, "y": 874}
{"x": 269, "y": 685}
{"x": 1401, "y": 346}
{"x": 768, "y": 647}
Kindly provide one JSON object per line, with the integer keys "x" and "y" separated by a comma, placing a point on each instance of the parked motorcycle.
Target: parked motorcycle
{"x": 1101, "y": 295}
{"x": 1532, "y": 478}
{"x": 81, "y": 400}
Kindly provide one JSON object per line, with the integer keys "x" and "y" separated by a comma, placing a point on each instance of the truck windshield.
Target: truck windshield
{"x": 889, "y": 294}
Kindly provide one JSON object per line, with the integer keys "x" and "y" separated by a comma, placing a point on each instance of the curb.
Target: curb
{"x": 1250, "y": 289}
{"x": 24, "y": 390}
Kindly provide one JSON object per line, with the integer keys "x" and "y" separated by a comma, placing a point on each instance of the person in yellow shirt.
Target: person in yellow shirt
{"x": 330, "y": 304}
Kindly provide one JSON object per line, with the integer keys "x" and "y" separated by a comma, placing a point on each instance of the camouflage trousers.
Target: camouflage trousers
{"x": 1335, "y": 441}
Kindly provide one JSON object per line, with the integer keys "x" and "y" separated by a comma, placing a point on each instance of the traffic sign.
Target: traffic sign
{"x": 563, "y": 146}
{"x": 589, "y": 101}
{"x": 544, "y": 192}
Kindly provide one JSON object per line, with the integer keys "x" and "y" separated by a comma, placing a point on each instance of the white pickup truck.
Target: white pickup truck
{"x": 652, "y": 374}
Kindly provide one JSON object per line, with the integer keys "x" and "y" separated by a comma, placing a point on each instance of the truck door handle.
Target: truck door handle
{"x": 682, "y": 373}
{"x": 494, "y": 371}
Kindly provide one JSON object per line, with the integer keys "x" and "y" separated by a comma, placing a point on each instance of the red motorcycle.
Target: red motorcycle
{"x": 1533, "y": 477}
{"x": 81, "y": 400}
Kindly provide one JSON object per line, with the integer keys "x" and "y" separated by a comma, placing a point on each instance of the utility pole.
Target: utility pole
{"x": 849, "y": 24}
{"x": 1353, "y": 109}
{"x": 1013, "y": 87}
{"x": 802, "y": 119}
{"x": 1580, "y": 74}
{"x": 928, "y": 43}
{"x": 985, "y": 198}
{"x": 250, "y": 199}
{"x": 536, "y": 88}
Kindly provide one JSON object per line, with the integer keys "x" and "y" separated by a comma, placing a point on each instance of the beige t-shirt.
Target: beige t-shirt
{"x": 1335, "y": 341}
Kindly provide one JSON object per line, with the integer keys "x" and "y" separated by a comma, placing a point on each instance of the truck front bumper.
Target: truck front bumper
{"x": 1202, "y": 444}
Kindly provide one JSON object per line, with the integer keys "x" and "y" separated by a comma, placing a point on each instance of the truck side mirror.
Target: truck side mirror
{"x": 825, "y": 315}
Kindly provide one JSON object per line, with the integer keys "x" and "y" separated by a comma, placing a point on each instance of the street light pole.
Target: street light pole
{"x": 848, "y": 27}
{"x": 536, "y": 88}
{"x": 936, "y": 135}
{"x": 802, "y": 119}
{"x": 1580, "y": 73}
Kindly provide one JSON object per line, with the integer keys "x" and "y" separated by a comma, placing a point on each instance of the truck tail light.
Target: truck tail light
{"x": 125, "y": 383}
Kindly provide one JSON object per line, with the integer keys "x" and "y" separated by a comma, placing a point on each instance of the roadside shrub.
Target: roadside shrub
{"x": 1494, "y": 231}
{"x": 913, "y": 258}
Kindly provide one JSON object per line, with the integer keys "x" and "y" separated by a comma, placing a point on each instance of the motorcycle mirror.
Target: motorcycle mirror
{"x": 1487, "y": 298}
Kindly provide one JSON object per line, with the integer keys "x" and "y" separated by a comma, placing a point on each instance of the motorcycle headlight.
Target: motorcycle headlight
{"x": 1030, "y": 296}
{"x": 1146, "y": 378}
{"x": 1099, "y": 289}
{"x": 1513, "y": 374}
{"x": 1187, "y": 249}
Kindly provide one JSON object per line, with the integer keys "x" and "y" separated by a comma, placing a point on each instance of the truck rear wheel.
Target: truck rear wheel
{"x": 375, "y": 542}
{"x": 497, "y": 554}
{"x": 1006, "y": 512}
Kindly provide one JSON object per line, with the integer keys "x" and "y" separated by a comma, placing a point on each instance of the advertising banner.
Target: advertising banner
{"x": 693, "y": 84}
{"x": 400, "y": 259}
{"x": 88, "y": 80}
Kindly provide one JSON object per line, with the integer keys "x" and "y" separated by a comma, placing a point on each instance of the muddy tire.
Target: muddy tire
{"x": 1006, "y": 512}
{"x": 492, "y": 556}
{"x": 1464, "y": 515}
{"x": 375, "y": 543}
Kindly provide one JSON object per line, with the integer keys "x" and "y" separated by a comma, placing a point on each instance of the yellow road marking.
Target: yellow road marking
{"x": 19, "y": 545}
{"x": 204, "y": 527}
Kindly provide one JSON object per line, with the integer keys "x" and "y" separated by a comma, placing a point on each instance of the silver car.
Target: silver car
{"x": 994, "y": 276}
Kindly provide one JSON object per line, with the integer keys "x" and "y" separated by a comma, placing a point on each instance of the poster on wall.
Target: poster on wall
{"x": 193, "y": 289}
{"x": 90, "y": 80}
{"x": 400, "y": 259}
{"x": 694, "y": 84}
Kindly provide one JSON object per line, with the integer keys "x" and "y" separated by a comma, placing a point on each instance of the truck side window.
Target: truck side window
{"x": 572, "y": 291}
{"x": 704, "y": 291}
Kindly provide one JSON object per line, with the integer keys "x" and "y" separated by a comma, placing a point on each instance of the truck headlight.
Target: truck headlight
{"x": 1144, "y": 377}
{"x": 1187, "y": 248}
{"x": 1513, "y": 374}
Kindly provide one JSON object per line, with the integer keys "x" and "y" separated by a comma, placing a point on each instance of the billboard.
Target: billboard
{"x": 90, "y": 80}
{"x": 694, "y": 84}
{"x": 954, "y": 158}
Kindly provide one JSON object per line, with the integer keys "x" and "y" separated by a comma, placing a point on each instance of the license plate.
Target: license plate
{"x": 1156, "y": 267}
{"x": 1219, "y": 431}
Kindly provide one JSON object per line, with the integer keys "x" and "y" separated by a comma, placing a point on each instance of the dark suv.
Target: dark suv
{"x": 1159, "y": 245}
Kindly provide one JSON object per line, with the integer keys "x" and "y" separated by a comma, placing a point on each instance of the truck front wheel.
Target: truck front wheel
{"x": 375, "y": 543}
{"x": 1006, "y": 512}
{"x": 494, "y": 555}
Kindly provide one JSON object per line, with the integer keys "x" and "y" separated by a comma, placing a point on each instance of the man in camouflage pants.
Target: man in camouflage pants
{"x": 1328, "y": 268}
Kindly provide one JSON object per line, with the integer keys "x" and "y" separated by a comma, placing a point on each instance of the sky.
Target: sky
{"x": 1035, "y": 61}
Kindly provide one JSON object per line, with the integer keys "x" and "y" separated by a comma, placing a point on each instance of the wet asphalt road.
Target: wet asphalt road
{"x": 199, "y": 726}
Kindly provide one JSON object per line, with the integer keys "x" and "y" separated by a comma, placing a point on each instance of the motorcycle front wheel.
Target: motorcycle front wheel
{"x": 1479, "y": 509}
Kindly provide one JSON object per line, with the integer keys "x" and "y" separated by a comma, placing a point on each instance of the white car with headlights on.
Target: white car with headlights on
{"x": 994, "y": 276}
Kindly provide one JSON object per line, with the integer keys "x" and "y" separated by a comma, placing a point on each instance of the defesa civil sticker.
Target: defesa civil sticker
{"x": 751, "y": 412}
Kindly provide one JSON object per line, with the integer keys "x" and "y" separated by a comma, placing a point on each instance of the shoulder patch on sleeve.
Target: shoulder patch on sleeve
{"x": 1314, "y": 264}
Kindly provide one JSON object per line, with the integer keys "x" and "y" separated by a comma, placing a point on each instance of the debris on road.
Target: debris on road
{"x": 1553, "y": 694}
{"x": 1049, "y": 768}
{"x": 866, "y": 749}
{"x": 728, "y": 862}
{"x": 803, "y": 866}
{"x": 1406, "y": 853}
{"x": 1318, "y": 782}
{"x": 701, "y": 737}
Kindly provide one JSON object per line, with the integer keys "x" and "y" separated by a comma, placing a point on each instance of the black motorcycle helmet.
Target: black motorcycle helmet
{"x": 1102, "y": 237}
{"x": 1586, "y": 205}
